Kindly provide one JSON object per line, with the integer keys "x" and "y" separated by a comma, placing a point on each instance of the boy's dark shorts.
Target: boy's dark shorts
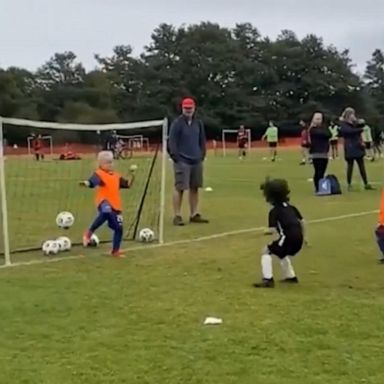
{"x": 284, "y": 247}
{"x": 188, "y": 176}
{"x": 272, "y": 145}
{"x": 242, "y": 144}
{"x": 305, "y": 145}
{"x": 334, "y": 143}
{"x": 368, "y": 145}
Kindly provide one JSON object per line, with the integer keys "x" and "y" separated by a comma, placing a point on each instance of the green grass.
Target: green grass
{"x": 139, "y": 320}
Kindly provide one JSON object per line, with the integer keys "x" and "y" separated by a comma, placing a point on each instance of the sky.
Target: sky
{"x": 31, "y": 31}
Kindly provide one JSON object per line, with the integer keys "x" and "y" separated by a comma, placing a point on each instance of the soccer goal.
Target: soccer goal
{"x": 46, "y": 144}
{"x": 229, "y": 139}
{"x": 33, "y": 192}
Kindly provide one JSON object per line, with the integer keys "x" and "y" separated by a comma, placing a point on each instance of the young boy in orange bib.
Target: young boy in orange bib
{"x": 108, "y": 200}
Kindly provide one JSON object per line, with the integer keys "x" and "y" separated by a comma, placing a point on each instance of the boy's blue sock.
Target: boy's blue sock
{"x": 98, "y": 222}
{"x": 117, "y": 226}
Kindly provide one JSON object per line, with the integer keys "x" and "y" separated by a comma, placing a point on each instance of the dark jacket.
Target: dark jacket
{"x": 319, "y": 142}
{"x": 187, "y": 142}
{"x": 353, "y": 145}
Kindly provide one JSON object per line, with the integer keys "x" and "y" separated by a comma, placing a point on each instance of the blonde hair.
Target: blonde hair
{"x": 105, "y": 157}
{"x": 347, "y": 113}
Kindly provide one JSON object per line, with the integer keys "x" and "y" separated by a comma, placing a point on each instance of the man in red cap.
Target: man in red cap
{"x": 187, "y": 148}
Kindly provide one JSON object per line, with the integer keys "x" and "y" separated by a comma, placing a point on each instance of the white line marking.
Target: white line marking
{"x": 189, "y": 241}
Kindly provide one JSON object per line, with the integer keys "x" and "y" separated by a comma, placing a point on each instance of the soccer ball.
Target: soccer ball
{"x": 65, "y": 243}
{"x": 94, "y": 241}
{"x": 65, "y": 220}
{"x": 50, "y": 247}
{"x": 146, "y": 235}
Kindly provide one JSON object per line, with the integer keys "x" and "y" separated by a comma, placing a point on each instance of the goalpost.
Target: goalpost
{"x": 33, "y": 193}
{"x": 136, "y": 142}
{"x": 46, "y": 138}
{"x": 231, "y": 132}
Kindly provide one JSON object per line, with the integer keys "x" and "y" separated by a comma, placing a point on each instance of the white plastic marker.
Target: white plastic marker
{"x": 213, "y": 321}
{"x": 208, "y": 189}
{"x": 133, "y": 168}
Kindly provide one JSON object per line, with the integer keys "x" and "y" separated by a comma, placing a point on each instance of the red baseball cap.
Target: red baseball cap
{"x": 188, "y": 103}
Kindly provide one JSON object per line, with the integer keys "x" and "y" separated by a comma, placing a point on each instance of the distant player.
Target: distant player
{"x": 304, "y": 142}
{"x": 288, "y": 223}
{"x": 38, "y": 147}
{"x": 377, "y": 142}
{"x": 367, "y": 139}
{"x": 272, "y": 137}
{"x": 334, "y": 140}
{"x": 380, "y": 229}
{"x": 242, "y": 142}
{"x": 108, "y": 200}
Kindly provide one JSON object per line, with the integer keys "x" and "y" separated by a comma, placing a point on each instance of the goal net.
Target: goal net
{"x": 39, "y": 145}
{"x": 34, "y": 190}
{"x": 229, "y": 139}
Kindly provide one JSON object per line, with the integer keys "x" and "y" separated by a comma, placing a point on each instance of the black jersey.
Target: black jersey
{"x": 286, "y": 219}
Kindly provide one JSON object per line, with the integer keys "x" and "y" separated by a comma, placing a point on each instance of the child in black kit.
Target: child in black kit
{"x": 287, "y": 221}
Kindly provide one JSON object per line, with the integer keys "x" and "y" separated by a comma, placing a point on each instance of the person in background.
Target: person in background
{"x": 334, "y": 140}
{"x": 38, "y": 147}
{"x": 319, "y": 136}
{"x": 367, "y": 139}
{"x": 354, "y": 150}
{"x": 242, "y": 141}
{"x": 304, "y": 142}
{"x": 379, "y": 232}
{"x": 187, "y": 149}
{"x": 272, "y": 137}
{"x": 377, "y": 143}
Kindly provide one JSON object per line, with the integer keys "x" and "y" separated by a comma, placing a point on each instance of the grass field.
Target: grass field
{"x": 94, "y": 320}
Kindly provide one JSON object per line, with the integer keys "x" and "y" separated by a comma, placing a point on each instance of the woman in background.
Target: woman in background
{"x": 319, "y": 136}
{"x": 354, "y": 150}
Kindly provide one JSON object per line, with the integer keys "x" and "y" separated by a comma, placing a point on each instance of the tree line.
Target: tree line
{"x": 236, "y": 75}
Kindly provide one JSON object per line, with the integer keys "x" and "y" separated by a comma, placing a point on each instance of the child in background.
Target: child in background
{"x": 272, "y": 137}
{"x": 334, "y": 140}
{"x": 287, "y": 221}
{"x": 367, "y": 139}
{"x": 108, "y": 199}
{"x": 304, "y": 142}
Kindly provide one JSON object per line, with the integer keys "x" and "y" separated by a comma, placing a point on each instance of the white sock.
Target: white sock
{"x": 287, "y": 268}
{"x": 266, "y": 266}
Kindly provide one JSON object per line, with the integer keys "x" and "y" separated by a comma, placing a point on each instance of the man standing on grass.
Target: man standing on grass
{"x": 272, "y": 137}
{"x": 187, "y": 148}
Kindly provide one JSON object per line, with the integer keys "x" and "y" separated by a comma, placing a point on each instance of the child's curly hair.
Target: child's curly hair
{"x": 276, "y": 191}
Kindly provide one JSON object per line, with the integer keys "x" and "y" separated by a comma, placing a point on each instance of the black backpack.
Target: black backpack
{"x": 335, "y": 185}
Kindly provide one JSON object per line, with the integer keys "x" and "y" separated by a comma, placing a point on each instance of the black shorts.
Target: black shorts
{"x": 368, "y": 145}
{"x": 272, "y": 145}
{"x": 242, "y": 145}
{"x": 286, "y": 246}
{"x": 305, "y": 145}
{"x": 334, "y": 143}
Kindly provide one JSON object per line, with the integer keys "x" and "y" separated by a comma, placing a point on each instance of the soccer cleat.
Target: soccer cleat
{"x": 118, "y": 254}
{"x": 178, "y": 221}
{"x": 368, "y": 187}
{"x": 265, "y": 283}
{"x": 381, "y": 261}
{"x": 291, "y": 280}
{"x": 87, "y": 238}
{"x": 198, "y": 219}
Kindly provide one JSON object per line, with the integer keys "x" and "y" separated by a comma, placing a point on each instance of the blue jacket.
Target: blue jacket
{"x": 319, "y": 141}
{"x": 353, "y": 145}
{"x": 187, "y": 142}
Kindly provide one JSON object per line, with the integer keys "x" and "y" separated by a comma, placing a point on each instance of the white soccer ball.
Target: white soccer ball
{"x": 65, "y": 243}
{"x": 50, "y": 247}
{"x": 65, "y": 220}
{"x": 94, "y": 241}
{"x": 146, "y": 235}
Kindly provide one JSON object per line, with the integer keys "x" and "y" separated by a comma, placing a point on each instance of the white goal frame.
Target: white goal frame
{"x": 76, "y": 127}
{"x": 31, "y": 138}
{"x": 130, "y": 139}
{"x": 234, "y": 131}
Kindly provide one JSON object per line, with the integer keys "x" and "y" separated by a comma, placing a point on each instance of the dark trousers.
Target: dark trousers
{"x": 361, "y": 165}
{"x": 320, "y": 167}
{"x": 380, "y": 238}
